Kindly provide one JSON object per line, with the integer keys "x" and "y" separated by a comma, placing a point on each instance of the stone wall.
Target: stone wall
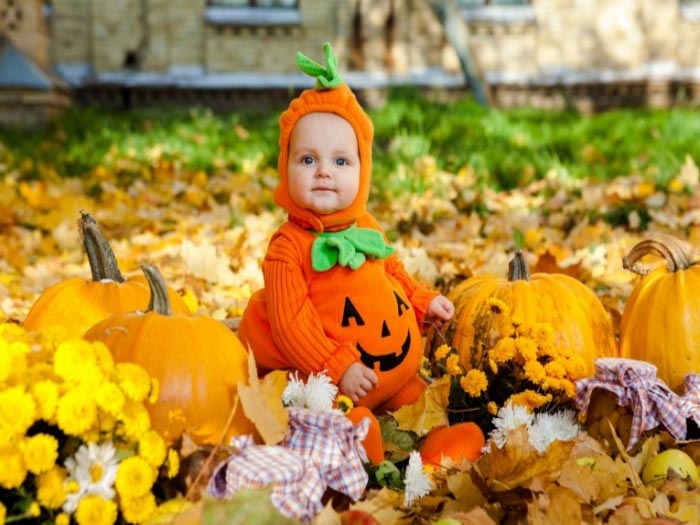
{"x": 22, "y": 21}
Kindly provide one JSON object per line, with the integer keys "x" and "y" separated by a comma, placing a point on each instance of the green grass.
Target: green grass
{"x": 506, "y": 148}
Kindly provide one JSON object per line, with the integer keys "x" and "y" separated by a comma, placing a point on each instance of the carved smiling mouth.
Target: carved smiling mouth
{"x": 386, "y": 361}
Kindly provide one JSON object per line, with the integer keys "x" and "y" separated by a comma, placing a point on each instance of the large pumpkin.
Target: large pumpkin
{"x": 574, "y": 312}
{"x": 197, "y": 360}
{"x": 661, "y": 319}
{"x": 74, "y": 305}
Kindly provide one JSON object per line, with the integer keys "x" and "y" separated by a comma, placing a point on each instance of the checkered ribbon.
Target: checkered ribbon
{"x": 691, "y": 397}
{"x": 297, "y": 488}
{"x": 636, "y": 386}
{"x": 333, "y": 444}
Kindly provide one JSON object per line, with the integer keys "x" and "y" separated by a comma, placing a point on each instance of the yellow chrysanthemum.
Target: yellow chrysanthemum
{"x": 46, "y": 396}
{"x": 34, "y": 509}
{"x": 62, "y": 519}
{"x": 138, "y": 510}
{"x": 542, "y": 334}
{"x": 569, "y": 388}
{"x": 73, "y": 358}
{"x": 3, "y": 514}
{"x": 13, "y": 358}
{"x": 534, "y": 371}
{"x": 94, "y": 510}
{"x": 442, "y": 351}
{"x": 76, "y": 412}
{"x": 555, "y": 369}
{"x": 344, "y": 403}
{"x": 133, "y": 380}
{"x": 497, "y": 306}
{"x": 40, "y": 452}
{"x": 152, "y": 448}
{"x": 503, "y": 351}
{"x": 171, "y": 509}
{"x": 424, "y": 369}
{"x": 135, "y": 477}
{"x": 104, "y": 357}
{"x": 134, "y": 420}
{"x": 109, "y": 397}
{"x": 529, "y": 399}
{"x": 173, "y": 463}
{"x": 452, "y": 365}
{"x": 474, "y": 382}
{"x": 50, "y": 490}
{"x": 17, "y": 411}
{"x": 526, "y": 349}
{"x": 492, "y": 408}
{"x": 575, "y": 367}
{"x": 493, "y": 366}
{"x": 13, "y": 470}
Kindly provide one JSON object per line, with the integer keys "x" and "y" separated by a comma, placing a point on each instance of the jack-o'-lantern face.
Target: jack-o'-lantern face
{"x": 376, "y": 334}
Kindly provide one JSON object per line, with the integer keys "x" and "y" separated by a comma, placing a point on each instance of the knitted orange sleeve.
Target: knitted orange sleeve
{"x": 296, "y": 326}
{"x": 418, "y": 294}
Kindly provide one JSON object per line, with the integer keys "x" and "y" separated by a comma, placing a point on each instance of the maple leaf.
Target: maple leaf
{"x": 262, "y": 402}
{"x": 428, "y": 411}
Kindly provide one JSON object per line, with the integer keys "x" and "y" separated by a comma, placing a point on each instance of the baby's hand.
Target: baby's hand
{"x": 357, "y": 381}
{"x": 440, "y": 310}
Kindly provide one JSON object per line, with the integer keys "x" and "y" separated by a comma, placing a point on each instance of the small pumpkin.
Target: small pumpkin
{"x": 197, "y": 360}
{"x": 661, "y": 318}
{"x": 74, "y": 305}
{"x": 456, "y": 442}
{"x": 576, "y": 315}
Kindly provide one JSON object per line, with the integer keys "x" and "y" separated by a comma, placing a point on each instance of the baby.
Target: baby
{"x": 336, "y": 297}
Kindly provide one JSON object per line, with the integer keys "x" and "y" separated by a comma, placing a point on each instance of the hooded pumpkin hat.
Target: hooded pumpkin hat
{"x": 330, "y": 95}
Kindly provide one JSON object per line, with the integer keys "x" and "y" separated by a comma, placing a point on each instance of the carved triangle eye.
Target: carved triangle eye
{"x": 350, "y": 312}
{"x": 385, "y": 330}
{"x": 401, "y": 304}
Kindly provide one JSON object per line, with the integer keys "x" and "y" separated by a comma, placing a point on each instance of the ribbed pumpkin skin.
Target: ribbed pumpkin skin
{"x": 575, "y": 313}
{"x": 74, "y": 305}
{"x": 661, "y": 323}
{"x": 197, "y": 361}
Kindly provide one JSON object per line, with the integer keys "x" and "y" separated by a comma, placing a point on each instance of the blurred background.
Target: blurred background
{"x": 227, "y": 54}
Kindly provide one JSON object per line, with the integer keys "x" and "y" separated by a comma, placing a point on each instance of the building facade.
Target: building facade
{"x": 588, "y": 54}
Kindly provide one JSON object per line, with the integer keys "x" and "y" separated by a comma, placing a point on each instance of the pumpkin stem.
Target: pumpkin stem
{"x": 677, "y": 253}
{"x": 103, "y": 263}
{"x": 518, "y": 269}
{"x": 160, "y": 301}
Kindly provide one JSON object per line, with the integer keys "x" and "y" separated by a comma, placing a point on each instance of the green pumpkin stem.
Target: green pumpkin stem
{"x": 327, "y": 77}
{"x": 160, "y": 301}
{"x": 103, "y": 263}
{"x": 677, "y": 253}
{"x": 518, "y": 269}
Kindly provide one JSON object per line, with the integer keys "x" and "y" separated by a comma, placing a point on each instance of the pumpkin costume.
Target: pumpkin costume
{"x": 335, "y": 293}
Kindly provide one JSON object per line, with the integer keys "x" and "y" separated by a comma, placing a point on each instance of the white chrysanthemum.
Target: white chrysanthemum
{"x": 417, "y": 483}
{"x": 294, "y": 394}
{"x": 548, "y": 428}
{"x": 320, "y": 392}
{"x": 509, "y": 417}
{"x": 94, "y": 468}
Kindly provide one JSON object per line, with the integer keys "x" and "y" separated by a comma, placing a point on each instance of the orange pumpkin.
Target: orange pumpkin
{"x": 456, "y": 442}
{"x": 197, "y": 360}
{"x": 661, "y": 319}
{"x": 72, "y": 306}
{"x": 578, "y": 318}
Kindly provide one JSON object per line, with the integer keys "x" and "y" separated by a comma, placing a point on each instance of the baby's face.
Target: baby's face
{"x": 323, "y": 169}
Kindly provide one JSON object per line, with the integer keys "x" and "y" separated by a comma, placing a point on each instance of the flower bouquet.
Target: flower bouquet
{"x": 510, "y": 362}
{"x": 75, "y": 439}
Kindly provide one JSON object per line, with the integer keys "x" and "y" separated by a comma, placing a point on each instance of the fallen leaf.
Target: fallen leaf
{"x": 428, "y": 411}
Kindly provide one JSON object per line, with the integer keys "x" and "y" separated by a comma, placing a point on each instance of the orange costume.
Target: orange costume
{"x": 360, "y": 306}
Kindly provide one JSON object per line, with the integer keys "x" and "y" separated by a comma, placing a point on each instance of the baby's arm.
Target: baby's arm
{"x": 296, "y": 326}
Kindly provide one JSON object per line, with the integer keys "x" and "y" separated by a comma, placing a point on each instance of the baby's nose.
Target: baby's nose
{"x": 323, "y": 170}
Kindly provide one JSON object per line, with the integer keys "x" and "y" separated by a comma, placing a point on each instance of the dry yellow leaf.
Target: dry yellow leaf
{"x": 262, "y": 403}
{"x": 428, "y": 411}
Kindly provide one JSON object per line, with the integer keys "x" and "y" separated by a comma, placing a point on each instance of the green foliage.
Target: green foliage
{"x": 503, "y": 148}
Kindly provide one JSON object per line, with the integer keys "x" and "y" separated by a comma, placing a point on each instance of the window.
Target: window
{"x": 255, "y": 3}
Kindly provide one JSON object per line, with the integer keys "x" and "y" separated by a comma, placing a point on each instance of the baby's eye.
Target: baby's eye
{"x": 307, "y": 159}
{"x": 341, "y": 162}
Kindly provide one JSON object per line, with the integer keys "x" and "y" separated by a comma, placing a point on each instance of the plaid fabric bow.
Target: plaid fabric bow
{"x": 635, "y": 384}
{"x": 691, "y": 397}
{"x": 297, "y": 487}
{"x": 333, "y": 444}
